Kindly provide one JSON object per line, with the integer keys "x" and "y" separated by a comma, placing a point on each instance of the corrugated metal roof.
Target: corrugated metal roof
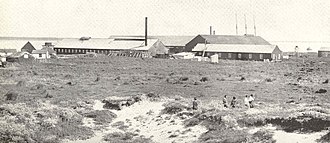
{"x": 105, "y": 43}
{"x": 235, "y": 39}
{"x": 166, "y": 40}
{"x": 234, "y": 48}
{"x": 19, "y": 54}
{"x": 95, "y": 43}
{"x": 325, "y": 49}
{"x": 50, "y": 50}
{"x": 8, "y": 50}
{"x": 39, "y": 51}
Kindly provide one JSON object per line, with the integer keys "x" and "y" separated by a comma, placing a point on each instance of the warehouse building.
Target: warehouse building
{"x": 118, "y": 46}
{"x": 239, "y": 51}
{"x": 225, "y": 39}
{"x": 324, "y": 52}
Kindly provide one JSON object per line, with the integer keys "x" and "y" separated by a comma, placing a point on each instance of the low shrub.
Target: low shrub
{"x": 262, "y": 137}
{"x": 224, "y": 136}
{"x": 204, "y": 79}
{"x": 21, "y": 83}
{"x": 118, "y": 137}
{"x": 173, "y": 108}
{"x": 101, "y": 116}
{"x": 191, "y": 122}
{"x": 251, "y": 121}
{"x": 183, "y": 78}
{"x": 12, "y": 96}
{"x": 325, "y": 138}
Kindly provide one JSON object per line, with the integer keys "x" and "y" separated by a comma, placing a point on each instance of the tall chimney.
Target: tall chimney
{"x": 146, "y": 32}
{"x": 210, "y": 30}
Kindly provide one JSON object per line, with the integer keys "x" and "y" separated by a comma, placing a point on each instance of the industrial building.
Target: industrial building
{"x": 239, "y": 51}
{"x": 118, "y": 46}
{"x": 324, "y": 52}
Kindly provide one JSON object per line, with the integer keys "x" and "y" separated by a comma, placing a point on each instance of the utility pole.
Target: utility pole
{"x": 245, "y": 24}
{"x": 236, "y": 24}
{"x": 254, "y": 23}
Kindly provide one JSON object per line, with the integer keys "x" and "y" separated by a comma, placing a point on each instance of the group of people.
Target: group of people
{"x": 248, "y": 102}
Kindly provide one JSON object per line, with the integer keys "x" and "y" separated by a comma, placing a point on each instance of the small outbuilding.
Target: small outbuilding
{"x": 20, "y": 57}
{"x": 324, "y": 52}
{"x": 40, "y": 54}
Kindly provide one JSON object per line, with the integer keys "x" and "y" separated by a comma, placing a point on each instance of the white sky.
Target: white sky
{"x": 276, "y": 20}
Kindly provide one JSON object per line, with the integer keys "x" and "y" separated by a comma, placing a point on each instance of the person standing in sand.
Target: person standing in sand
{"x": 195, "y": 104}
{"x": 251, "y": 99}
{"x": 233, "y": 102}
{"x": 246, "y": 101}
{"x": 224, "y": 101}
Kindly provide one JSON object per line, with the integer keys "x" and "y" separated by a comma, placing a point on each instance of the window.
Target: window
{"x": 239, "y": 56}
{"x": 219, "y": 54}
{"x": 250, "y": 56}
{"x": 208, "y": 54}
{"x": 40, "y": 55}
{"x": 261, "y": 56}
{"x": 229, "y": 55}
{"x": 279, "y": 56}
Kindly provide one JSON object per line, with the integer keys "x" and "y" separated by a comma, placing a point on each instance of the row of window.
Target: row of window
{"x": 80, "y": 51}
{"x": 261, "y": 56}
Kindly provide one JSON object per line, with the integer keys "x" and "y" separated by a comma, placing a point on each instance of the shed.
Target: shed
{"x": 239, "y": 52}
{"x": 28, "y": 47}
{"x": 324, "y": 52}
{"x": 20, "y": 57}
{"x": 40, "y": 54}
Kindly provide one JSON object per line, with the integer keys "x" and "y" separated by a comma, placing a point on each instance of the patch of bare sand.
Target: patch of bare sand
{"x": 144, "y": 118}
{"x": 285, "y": 137}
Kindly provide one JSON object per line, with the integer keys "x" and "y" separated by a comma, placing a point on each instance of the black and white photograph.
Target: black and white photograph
{"x": 164, "y": 71}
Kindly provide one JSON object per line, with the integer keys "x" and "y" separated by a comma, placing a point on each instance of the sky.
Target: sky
{"x": 276, "y": 20}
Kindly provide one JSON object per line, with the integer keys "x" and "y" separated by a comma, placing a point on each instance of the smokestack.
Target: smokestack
{"x": 213, "y": 32}
{"x": 146, "y": 32}
{"x": 210, "y": 30}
